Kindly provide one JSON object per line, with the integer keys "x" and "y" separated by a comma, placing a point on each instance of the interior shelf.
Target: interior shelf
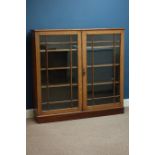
{"x": 58, "y": 68}
{"x": 75, "y": 67}
{"x": 57, "y": 50}
{"x": 103, "y": 97}
{"x": 102, "y": 65}
{"x": 102, "y": 47}
{"x": 58, "y": 85}
{"x": 74, "y": 42}
{"x": 88, "y": 48}
{"x": 59, "y": 102}
{"x": 58, "y": 43}
{"x": 102, "y": 83}
{"x": 103, "y": 41}
{"x": 75, "y": 84}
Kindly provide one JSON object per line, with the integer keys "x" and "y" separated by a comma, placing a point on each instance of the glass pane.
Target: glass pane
{"x": 59, "y": 76}
{"x": 101, "y": 54}
{"x": 103, "y": 68}
{"x": 103, "y": 101}
{"x": 57, "y": 106}
{"x": 103, "y": 74}
{"x": 58, "y": 59}
{"x": 103, "y": 90}
{"x": 59, "y": 97}
{"x": 58, "y": 94}
{"x": 59, "y": 72}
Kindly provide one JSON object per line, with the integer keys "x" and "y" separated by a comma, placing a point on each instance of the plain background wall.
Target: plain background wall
{"x": 42, "y": 14}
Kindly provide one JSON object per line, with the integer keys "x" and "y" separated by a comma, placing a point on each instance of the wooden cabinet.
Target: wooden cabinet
{"x": 78, "y": 73}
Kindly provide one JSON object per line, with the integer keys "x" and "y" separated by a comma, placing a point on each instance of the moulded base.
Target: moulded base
{"x": 77, "y": 115}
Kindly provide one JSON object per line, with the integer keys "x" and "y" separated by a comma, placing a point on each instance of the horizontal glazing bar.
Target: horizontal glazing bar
{"x": 103, "y": 41}
{"x": 101, "y": 47}
{"x": 102, "y": 83}
{"x": 55, "y": 43}
{"x": 57, "y": 50}
{"x": 58, "y": 85}
{"x": 57, "y": 102}
{"x": 58, "y": 68}
{"x": 103, "y": 97}
{"x": 103, "y": 65}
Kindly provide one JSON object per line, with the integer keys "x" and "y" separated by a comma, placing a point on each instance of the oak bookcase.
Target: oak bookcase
{"x": 78, "y": 73}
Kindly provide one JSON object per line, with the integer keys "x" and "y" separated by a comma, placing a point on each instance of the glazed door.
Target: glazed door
{"x": 59, "y": 72}
{"x": 102, "y": 69}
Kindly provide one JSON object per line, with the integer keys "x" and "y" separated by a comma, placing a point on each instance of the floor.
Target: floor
{"x": 106, "y": 135}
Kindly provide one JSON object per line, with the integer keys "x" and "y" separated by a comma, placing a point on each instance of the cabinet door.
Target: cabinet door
{"x": 102, "y": 69}
{"x": 59, "y": 72}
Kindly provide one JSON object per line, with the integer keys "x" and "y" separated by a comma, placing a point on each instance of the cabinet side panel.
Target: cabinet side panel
{"x": 34, "y": 74}
{"x": 122, "y": 69}
{"x": 37, "y": 74}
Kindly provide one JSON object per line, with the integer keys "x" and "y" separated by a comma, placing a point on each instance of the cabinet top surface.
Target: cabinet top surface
{"x": 84, "y": 29}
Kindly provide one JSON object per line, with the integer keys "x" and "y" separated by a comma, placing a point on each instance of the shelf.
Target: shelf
{"x": 68, "y": 50}
{"x": 59, "y": 102}
{"x": 101, "y": 47}
{"x": 57, "y": 43}
{"x": 102, "y": 83}
{"x": 103, "y": 41}
{"x": 103, "y": 97}
{"x": 58, "y": 68}
{"x": 75, "y": 84}
{"x": 58, "y": 85}
{"x": 75, "y": 67}
{"x": 102, "y": 65}
{"x": 57, "y": 50}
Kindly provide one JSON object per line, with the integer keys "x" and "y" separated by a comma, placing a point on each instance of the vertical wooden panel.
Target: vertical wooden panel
{"x": 122, "y": 68}
{"x": 38, "y": 76}
{"x": 84, "y": 69}
{"x": 79, "y": 70}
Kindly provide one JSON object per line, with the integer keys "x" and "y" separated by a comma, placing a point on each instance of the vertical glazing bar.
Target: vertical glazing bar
{"x": 84, "y": 66}
{"x": 71, "y": 88}
{"x": 47, "y": 80}
{"x": 92, "y": 67}
{"x": 114, "y": 68}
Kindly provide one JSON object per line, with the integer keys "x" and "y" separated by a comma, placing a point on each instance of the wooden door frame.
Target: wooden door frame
{"x": 84, "y": 68}
{"x": 37, "y": 74}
